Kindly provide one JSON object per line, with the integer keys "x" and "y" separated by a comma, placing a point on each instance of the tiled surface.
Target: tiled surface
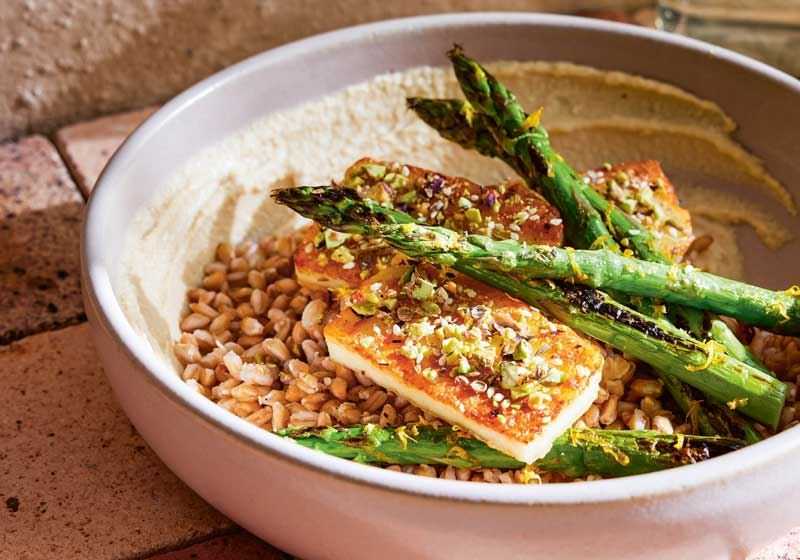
{"x": 40, "y": 220}
{"x": 87, "y": 146}
{"x": 241, "y": 546}
{"x": 76, "y": 480}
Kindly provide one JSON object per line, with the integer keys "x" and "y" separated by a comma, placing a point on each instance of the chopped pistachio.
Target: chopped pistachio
{"x": 473, "y": 215}
{"x": 511, "y": 374}
{"x": 407, "y": 197}
{"x": 628, "y": 205}
{"x": 463, "y": 365}
{"x": 342, "y": 255}
{"x": 523, "y": 351}
{"x": 364, "y": 308}
{"x": 450, "y": 345}
{"x": 334, "y": 239}
{"x": 354, "y": 182}
{"x": 423, "y": 289}
{"x": 367, "y": 341}
{"x": 396, "y": 180}
{"x": 421, "y": 329}
{"x": 431, "y": 308}
{"x": 374, "y": 170}
{"x": 554, "y": 375}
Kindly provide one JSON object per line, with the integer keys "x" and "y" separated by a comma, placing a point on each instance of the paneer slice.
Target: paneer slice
{"x": 643, "y": 190}
{"x": 469, "y": 354}
{"x": 509, "y": 210}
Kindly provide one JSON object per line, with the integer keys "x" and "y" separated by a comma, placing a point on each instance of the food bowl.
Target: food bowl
{"x": 316, "y": 506}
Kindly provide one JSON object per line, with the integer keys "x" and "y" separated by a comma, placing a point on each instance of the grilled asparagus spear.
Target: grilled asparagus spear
{"x": 776, "y": 311}
{"x": 576, "y": 453}
{"x": 592, "y": 312}
{"x": 713, "y": 418}
{"x": 457, "y": 121}
{"x": 522, "y": 138}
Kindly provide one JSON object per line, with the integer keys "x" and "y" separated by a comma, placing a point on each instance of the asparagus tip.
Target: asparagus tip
{"x": 330, "y": 207}
{"x": 412, "y": 102}
{"x": 456, "y": 51}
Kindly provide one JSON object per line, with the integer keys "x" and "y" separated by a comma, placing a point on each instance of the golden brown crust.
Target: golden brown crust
{"x": 507, "y": 210}
{"x": 642, "y": 189}
{"x": 476, "y": 356}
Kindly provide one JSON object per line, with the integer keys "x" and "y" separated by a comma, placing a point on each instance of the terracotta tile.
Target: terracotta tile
{"x": 239, "y": 546}
{"x": 76, "y": 481}
{"x": 88, "y": 146}
{"x": 40, "y": 220}
{"x": 611, "y": 15}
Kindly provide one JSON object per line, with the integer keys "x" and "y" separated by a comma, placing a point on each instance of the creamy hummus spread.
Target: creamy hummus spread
{"x": 594, "y": 117}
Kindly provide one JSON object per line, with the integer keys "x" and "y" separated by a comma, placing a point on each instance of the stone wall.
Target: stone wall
{"x": 67, "y": 60}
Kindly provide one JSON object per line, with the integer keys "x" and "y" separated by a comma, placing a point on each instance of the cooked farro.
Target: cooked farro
{"x": 252, "y": 342}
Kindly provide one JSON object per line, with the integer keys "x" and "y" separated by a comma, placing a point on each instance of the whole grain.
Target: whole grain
{"x": 252, "y": 341}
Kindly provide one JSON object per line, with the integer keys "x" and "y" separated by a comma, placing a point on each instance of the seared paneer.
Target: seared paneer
{"x": 471, "y": 355}
{"x": 644, "y": 191}
{"x": 327, "y": 259}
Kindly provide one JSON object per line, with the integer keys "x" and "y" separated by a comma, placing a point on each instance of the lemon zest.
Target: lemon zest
{"x": 403, "y": 436}
{"x": 574, "y": 265}
{"x": 588, "y": 437}
{"x": 528, "y": 474}
{"x": 460, "y": 453}
{"x": 714, "y": 351}
{"x": 737, "y": 403}
{"x": 781, "y": 309}
{"x": 532, "y": 120}
{"x": 468, "y": 111}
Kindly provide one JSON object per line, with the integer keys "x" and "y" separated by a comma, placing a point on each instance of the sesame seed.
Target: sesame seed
{"x": 556, "y": 222}
{"x": 478, "y": 386}
{"x": 375, "y": 287}
{"x": 348, "y": 266}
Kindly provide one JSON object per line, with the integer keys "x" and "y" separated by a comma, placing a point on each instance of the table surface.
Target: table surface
{"x": 77, "y": 480}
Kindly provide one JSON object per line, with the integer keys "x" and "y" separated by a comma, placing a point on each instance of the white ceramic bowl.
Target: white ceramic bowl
{"x": 315, "y": 506}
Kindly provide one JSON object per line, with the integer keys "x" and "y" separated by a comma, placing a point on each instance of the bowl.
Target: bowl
{"x": 316, "y": 506}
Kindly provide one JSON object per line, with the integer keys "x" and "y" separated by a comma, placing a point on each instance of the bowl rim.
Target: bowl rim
{"x": 106, "y": 313}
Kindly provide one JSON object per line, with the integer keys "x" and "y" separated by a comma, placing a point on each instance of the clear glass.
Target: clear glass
{"x": 768, "y": 30}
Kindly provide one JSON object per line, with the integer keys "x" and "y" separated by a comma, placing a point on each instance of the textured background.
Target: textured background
{"x": 68, "y": 60}
{"x": 76, "y": 481}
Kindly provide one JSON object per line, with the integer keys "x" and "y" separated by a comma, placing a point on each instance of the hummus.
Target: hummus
{"x": 594, "y": 116}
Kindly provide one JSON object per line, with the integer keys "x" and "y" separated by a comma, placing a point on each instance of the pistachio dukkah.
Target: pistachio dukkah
{"x": 550, "y": 327}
